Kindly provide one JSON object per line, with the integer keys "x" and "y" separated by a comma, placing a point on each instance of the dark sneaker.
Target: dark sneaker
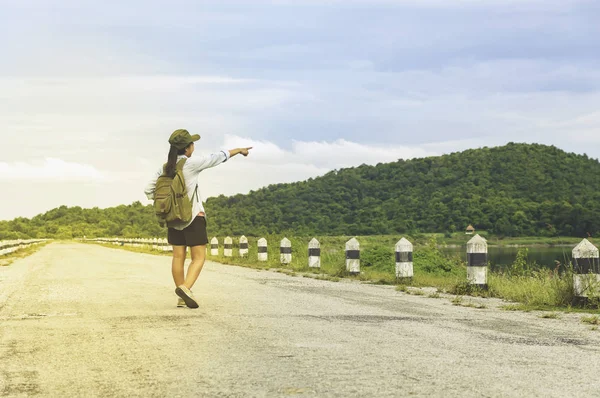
{"x": 187, "y": 296}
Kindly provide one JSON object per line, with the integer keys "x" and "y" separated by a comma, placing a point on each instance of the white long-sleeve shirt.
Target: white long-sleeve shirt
{"x": 191, "y": 170}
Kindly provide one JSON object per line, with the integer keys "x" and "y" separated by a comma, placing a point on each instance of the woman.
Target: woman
{"x": 191, "y": 234}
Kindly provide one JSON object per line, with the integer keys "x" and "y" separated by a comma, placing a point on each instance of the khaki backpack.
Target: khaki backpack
{"x": 171, "y": 202}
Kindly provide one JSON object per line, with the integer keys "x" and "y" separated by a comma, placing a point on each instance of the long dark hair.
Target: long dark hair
{"x": 172, "y": 160}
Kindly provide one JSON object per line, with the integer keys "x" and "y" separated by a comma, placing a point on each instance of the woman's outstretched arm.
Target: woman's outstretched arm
{"x": 206, "y": 162}
{"x": 243, "y": 151}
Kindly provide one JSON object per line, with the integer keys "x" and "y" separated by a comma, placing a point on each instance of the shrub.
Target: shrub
{"x": 521, "y": 265}
{"x": 430, "y": 259}
{"x": 380, "y": 256}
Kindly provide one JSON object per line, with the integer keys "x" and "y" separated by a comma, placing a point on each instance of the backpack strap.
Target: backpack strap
{"x": 180, "y": 165}
{"x": 196, "y": 194}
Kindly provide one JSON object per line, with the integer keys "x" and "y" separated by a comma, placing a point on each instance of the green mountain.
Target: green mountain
{"x": 514, "y": 190}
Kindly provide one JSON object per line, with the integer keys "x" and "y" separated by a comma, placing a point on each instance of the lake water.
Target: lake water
{"x": 500, "y": 257}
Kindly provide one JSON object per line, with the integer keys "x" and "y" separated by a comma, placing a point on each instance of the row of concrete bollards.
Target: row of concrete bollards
{"x": 477, "y": 254}
{"x": 586, "y": 259}
{"x": 404, "y": 250}
{"x": 586, "y": 267}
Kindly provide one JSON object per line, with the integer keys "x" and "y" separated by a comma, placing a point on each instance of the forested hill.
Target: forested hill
{"x": 514, "y": 190}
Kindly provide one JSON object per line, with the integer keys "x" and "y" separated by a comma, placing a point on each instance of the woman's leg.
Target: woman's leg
{"x": 198, "y": 258}
{"x": 179, "y": 253}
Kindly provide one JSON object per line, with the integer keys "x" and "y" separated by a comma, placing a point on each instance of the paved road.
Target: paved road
{"x": 84, "y": 320}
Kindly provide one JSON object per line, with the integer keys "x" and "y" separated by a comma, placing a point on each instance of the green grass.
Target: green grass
{"x": 541, "y": 289}
{"x": 445, "y": 283}
{"x": 592, "y": 320}
{"x": 460, "y": 302}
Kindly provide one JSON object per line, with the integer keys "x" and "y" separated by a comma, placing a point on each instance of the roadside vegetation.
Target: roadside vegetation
{"x": 8, "y": 259}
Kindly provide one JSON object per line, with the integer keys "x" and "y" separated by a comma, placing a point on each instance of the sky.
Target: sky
{"x": 91, "y": 90}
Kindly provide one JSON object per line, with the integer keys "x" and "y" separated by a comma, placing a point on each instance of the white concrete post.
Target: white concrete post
{"x": 214, "y": 247}
{"x": 404, "y": 259}
{"x": 262, "y": 250}
{"x": 314, "y": 253}
{"x": 477, "y": 262}
{"x": 243, "y": 246}
{"x": 586, "y": 271}
{"x": 228, "y": 247}
{"x": 285, "y": 249}
{"x": 155, "y": 244}
{"x": 353, "y": 256}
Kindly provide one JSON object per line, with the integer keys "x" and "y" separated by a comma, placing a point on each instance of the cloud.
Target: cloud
{"x": 80, "y": 118}
{"x": 313, "y": 85}
{"x": 327, "y": 154}
{"x": 49, "y": 169}
{"x": 268, "y": 163}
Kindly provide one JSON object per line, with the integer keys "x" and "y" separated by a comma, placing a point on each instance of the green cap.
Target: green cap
{"x": 182, "y": 138}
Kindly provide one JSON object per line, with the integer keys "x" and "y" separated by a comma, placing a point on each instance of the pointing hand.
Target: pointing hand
{"x": 245, "y": 151}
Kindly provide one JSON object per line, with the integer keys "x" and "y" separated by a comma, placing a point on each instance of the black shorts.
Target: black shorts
{"x": 193, "y": 235}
